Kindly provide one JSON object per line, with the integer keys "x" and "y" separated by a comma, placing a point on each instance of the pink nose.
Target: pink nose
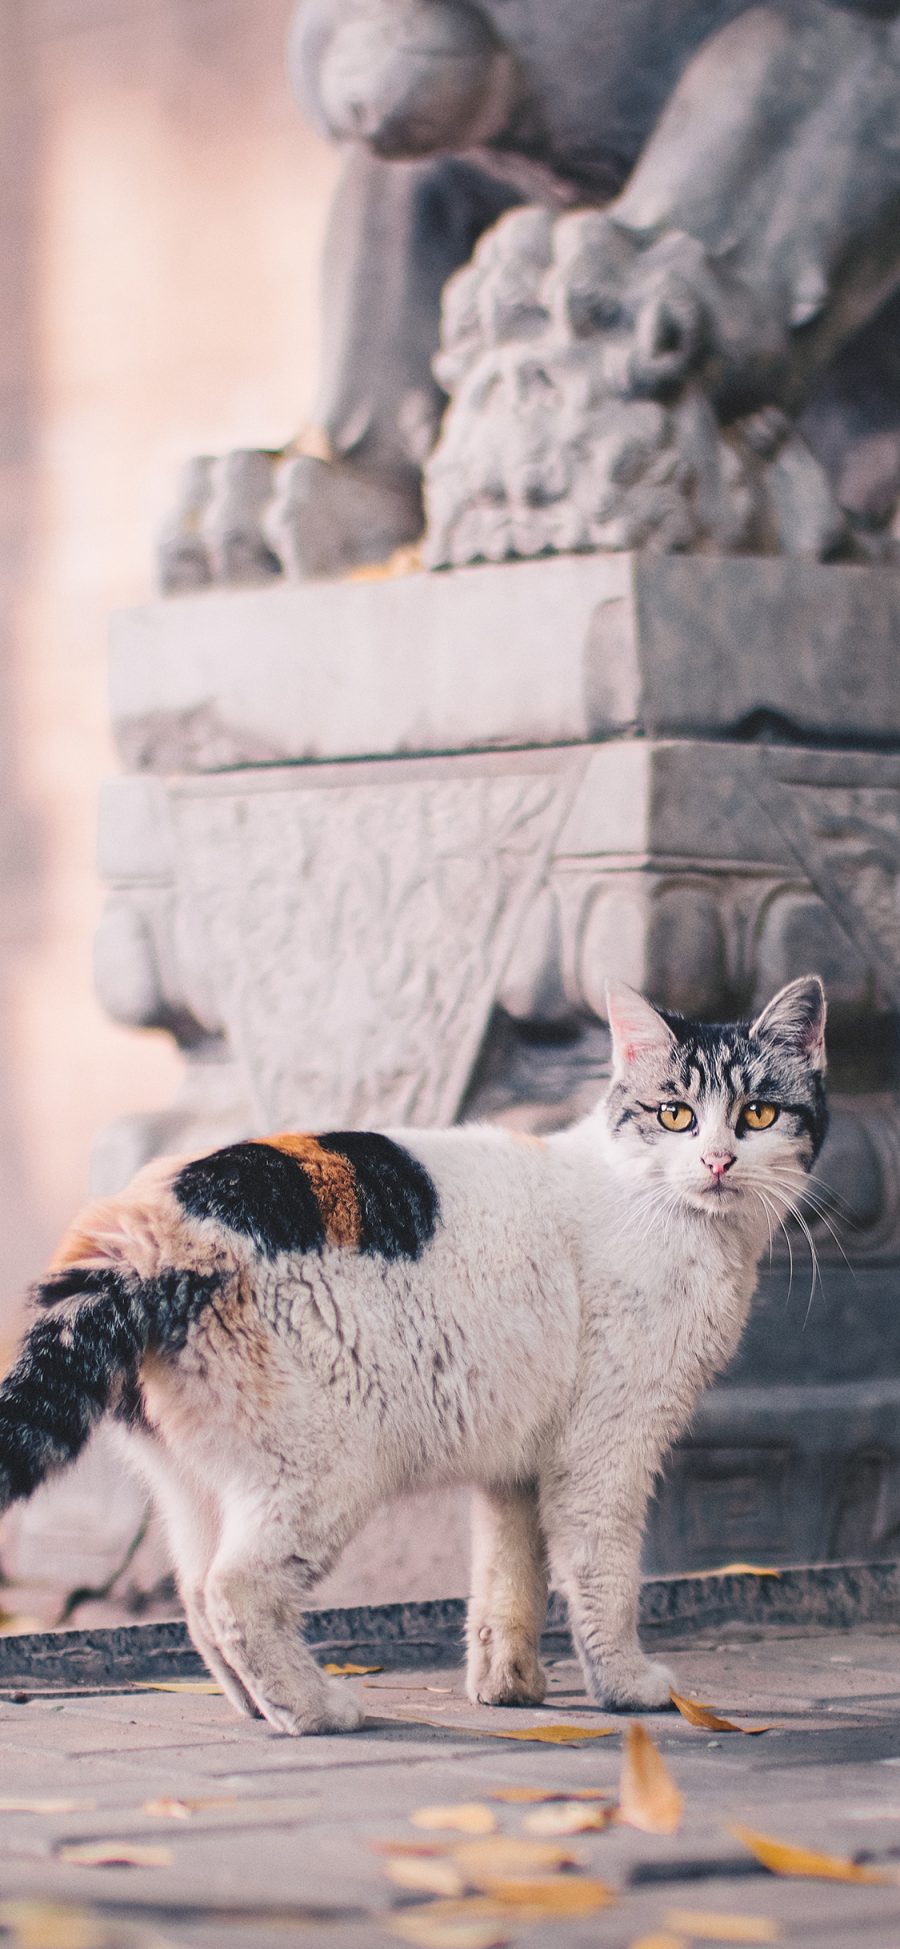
{"x": 718, "y": 1161}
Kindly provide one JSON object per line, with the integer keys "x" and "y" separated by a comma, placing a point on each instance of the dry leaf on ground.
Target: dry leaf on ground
{"x": 62, "y": 1925}
{"x": 466, "y": 1817}
{"x": 170, "y": 1809}
{"x": 427, "y": 1849}
{"x": 532, "y": 1796}
{"x": 541, "y": 1735}
{"x": 48, "y": 1925}
{"x": 472, "y": 1923}
{"x": 47, "y": 1806}
{"x": 403, "y": 561}
{"x": 510, "y": 1854}
{"x": 571, "y": 1895}
{"x": 114, "y": 1854}
{"x": 570, "y": 1817}
{"x": 739, "y": 1570}
{"x": 783, "y": 1858}
{"x": 705, "y": 1716}
{"x": 351, "y": 1671}
{"x": 648, "y": 1796}
{"x": 428, "y": 1874}
{"x": 207, "y": 1685}
{"x": 661, "y": 1940}
{"x": 707, "y": 1926}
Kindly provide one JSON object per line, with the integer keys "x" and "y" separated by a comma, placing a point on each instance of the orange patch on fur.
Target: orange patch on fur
{"x": 78, "y": 1244}
{"x": 333, "y": 1182}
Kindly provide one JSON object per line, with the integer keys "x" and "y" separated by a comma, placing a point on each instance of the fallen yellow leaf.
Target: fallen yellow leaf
{"x": 51, "y": 1925}
{"x": 703, "y": 1715}
{"x": 169, "y": 1809}
{"x": 206, "y": 1685}
{"x": 661, "y": 1940}
{"x": 708, "y": 1926}
{"x": 351, "y": 1671}
{"x": 509, "y": 1854}
{"x": 47, "y": 1806}
{"x": 14, "y": 1624}
{"x": 563, "y": 1895}
{"x": 648, "y": 1796}
{"x": 529, "y": 1796}
{"x": 428, "y": 1874}
{"x": 427, "y": 1849}
{"x": 467, "y": 1817}
{"x": 570, "y": 1817}
{"x": 114, "y": 1854}
{"x": 783, "y": 1858}
{"x": 472, "y": 1923}
{"x": 403, "y": 561}
{"x": 740, "y": 1570}
{"x": 63, "y": 1925}
{"x": 540, "y": 1735}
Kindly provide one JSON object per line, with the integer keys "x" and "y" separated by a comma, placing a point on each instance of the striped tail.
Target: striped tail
{"x": 79, "y": 1359}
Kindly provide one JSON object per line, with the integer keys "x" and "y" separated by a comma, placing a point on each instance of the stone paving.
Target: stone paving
{"x": 284, "y": 1847}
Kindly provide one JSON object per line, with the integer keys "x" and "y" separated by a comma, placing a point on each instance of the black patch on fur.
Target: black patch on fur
{"x": 398, "y": 1203}
{"x": 256, "y": 1190}
{"x": 813, "y": 1116}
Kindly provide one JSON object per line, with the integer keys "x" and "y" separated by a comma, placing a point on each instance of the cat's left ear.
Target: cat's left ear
{"x": 796, "y": 1018}
{"x": 635, "y": 1026}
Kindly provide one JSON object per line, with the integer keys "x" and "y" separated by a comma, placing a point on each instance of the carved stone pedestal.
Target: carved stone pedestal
{"x": 632, "y": 766}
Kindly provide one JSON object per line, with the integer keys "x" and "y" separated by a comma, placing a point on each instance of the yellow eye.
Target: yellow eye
{"x": 759, "y": 1116}
{"x": 675, "y": 1116}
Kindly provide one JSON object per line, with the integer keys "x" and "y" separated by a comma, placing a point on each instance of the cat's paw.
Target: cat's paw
{"x": 343, "y": 1712}
{"x": 505, "y": 1672}
{"x": 634, "y": 1684}
{"x": 331, "y": 1709}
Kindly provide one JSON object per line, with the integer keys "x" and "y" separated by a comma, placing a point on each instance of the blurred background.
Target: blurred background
{"x": 163, "y": 212}
{"x": 161, "y": 217}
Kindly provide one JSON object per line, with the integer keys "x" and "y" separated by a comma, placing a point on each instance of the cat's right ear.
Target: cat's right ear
{"x": 635, "y": 1026}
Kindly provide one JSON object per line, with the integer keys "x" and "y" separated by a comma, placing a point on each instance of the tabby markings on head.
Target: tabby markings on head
{"x": 294, "y": 1193}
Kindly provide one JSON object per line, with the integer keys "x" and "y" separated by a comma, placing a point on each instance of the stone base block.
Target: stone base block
{"x": 557, "y": 651}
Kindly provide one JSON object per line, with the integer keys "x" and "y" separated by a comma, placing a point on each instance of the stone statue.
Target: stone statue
{"x": 734, "y": 265}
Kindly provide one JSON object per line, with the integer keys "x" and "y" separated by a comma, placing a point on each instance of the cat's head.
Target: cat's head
{"x": 723, "y": 1116}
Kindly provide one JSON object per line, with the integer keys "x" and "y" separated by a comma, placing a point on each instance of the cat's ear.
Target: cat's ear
{"x": 795, "y": 1018}
{"x": 635, "y": 1026}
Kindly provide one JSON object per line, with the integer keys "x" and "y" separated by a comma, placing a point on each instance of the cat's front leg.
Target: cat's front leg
{"x": 594, "y": 1521}
{"x": 509, "y": 1599}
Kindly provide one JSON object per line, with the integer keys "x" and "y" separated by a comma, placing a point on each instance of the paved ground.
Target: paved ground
{"x": 285, "y": 1847}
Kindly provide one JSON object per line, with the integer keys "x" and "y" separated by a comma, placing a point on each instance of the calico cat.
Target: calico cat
{"x": 294, "y": 1328}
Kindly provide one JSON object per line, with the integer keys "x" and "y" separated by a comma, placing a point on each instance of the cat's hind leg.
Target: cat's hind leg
{"x": 509, "y": 1598}
{"x": 254, "y": 1595}
{"x": 193, "y": 1525}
